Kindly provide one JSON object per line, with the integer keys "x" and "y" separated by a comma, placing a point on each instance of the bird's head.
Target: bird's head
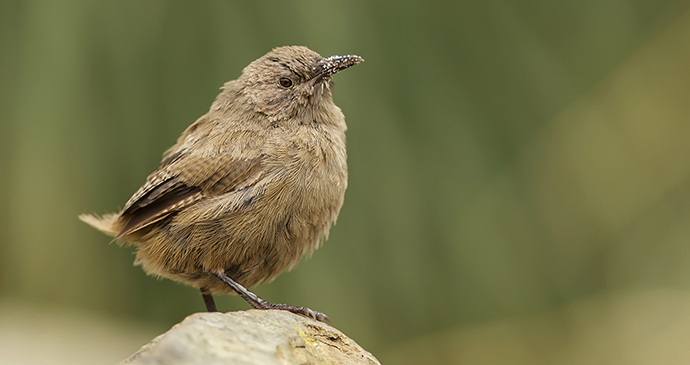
{"x": 291, "y": 79}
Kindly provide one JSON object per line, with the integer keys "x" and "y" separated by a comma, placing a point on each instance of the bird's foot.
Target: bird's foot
{"x": 258, "y": 303}
{"x": 294, "y": 309}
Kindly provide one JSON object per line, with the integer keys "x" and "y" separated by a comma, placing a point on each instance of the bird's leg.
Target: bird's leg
{"x": 258, "y": 303}
{"x": 208, "y": 300}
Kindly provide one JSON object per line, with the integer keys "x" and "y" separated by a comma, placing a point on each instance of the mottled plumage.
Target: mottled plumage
{"x": 251, "y": 186}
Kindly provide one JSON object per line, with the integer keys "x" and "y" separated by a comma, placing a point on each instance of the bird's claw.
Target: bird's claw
{"x": 321, "y": 317}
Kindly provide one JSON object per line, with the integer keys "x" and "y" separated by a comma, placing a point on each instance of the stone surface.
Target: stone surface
{"x": 251, "y": 337}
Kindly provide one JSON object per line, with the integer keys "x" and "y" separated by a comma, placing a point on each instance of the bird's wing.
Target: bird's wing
{"x": 184, "y": 178}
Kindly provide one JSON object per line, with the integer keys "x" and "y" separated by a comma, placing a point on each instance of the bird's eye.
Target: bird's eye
{"x": 285, "y": 82}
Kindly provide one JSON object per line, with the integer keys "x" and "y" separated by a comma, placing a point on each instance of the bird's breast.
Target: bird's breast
{"x": 313, "y": 166}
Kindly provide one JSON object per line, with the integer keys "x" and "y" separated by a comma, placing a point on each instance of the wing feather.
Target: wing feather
{"x": 182, "y": 181}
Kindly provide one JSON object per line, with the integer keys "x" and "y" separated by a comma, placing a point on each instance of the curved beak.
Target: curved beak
{"x": 328, "y": 67}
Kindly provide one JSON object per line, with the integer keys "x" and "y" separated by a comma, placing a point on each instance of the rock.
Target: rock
{"x": 251, "y": 337}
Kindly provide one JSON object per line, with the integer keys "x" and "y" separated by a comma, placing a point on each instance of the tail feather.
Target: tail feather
{"x": 107, "y": 224}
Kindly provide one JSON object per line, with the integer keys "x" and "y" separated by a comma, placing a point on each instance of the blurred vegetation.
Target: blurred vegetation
{"x": 523, "y": 166}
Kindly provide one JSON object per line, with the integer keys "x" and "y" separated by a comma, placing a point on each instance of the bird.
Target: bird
{"x": 250, "y": 187}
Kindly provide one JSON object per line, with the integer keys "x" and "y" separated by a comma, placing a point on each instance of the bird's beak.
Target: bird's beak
{"x": 328, "y": 67}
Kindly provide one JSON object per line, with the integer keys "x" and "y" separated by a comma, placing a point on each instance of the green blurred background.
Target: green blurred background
{"x": 519, "y": 173}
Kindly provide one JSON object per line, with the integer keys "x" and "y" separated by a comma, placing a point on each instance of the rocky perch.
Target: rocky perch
{"x": 251, "y": 337}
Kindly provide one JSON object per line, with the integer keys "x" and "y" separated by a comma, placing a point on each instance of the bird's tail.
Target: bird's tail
{"x": 106, "y": 224}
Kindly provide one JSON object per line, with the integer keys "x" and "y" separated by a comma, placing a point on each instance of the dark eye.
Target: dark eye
{"x": 285, "y": 82}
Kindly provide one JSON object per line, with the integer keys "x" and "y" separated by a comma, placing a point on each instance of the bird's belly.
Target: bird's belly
{"x": 252, "y": 245}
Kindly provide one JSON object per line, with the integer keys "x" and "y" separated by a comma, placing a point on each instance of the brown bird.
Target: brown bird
{"x": 250, "y": 187}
